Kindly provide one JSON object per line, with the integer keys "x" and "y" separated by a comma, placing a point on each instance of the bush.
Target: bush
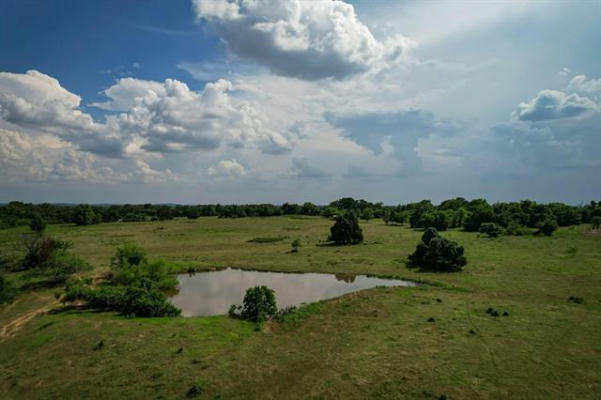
{"x": 491, "y": 229}
{"x": 259, "y": 304}
{"x": 295, "y": 245}
{"x": 437, "y": 253}
{"x": 37, "y": 223}
{"x": 515, "y": 229}
{"x": 143, "y": 299}
{"x": 547, "y": 227}
{"x": 50, "y": 257}
{"x": 346, "y": 230}
{"x": 127, "y": 255}
{"x": 7, "y": 290}
{"x": 596, "y": 223}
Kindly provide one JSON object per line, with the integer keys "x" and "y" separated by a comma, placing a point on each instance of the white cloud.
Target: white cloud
{"x": 24, "y": 158}
{"x": 554, "y": 104}
{"x": 304, "y": 39}
{"x": 581, "y": 84}
{"x": 227, "y": 168}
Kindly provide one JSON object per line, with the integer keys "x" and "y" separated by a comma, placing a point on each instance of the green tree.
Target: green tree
{"x": 259, "y": 304}
{"x": 346, "y": 230}
{"x": 37, "y": 223}
{"x": 437, "y": 253}
{"x": 547, "y": 226}
{"x": 367, "y": 214}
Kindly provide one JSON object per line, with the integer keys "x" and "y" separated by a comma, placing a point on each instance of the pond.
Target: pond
{"x": 212, "y": 293}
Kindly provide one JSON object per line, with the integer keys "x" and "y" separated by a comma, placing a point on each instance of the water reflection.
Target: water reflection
{"x": 211, "y": 293}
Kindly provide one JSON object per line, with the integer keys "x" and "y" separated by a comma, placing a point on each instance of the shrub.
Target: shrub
{"x": 515, "y": 229}
{"x": 37, "y": 223}
{"x": 437, "y": 253}
{"x": 50, "y": 257}
{"x": 127, "y": 255}
{"x": 83, "y": 214}
{"x": 143, "y": 299}
{"x": 268, "y": 239}
{"x": 346, "y": 230}
{"x": 596, "y": 223}
{"x": 259, "y": 304}
{"x": 491, "y": 229}
{"x": 7, "y": 290}
{"x": 295, "y": 245}
{"x": 547, "y": 227}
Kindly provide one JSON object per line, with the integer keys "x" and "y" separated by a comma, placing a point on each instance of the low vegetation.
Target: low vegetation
{"x": 368, "y": 344}
{"x": 135, "y": 286}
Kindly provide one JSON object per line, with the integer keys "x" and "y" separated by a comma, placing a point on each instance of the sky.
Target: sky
{"x": 265, "y": 101}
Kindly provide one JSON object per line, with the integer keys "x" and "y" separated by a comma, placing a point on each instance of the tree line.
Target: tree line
{"x": 453, "y": 213}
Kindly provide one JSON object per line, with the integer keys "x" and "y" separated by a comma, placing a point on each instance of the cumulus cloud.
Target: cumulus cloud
{"x": 304, "y": 39}
{"x": 554, "y": 104}
{"x": 581, "y": 84}
{"x": 46, "y": 158}
{"x": 154, "y": 117}
{"x": 227, "y": 168}
{"x": 38, "y": 102}
{"x": 169, "y": 117}
{"x": 302, "y": 168}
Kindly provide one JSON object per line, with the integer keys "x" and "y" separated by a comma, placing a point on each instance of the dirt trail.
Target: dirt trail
{"x": 8, "y": 330}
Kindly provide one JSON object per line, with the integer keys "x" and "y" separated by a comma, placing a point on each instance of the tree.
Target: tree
{"x": 37, "y": 223}
{"x": 346, "y": 230}
{"x": 437, "y": 253}
{"x": 83, "y": 214}
{"x": 547, "y": 227}
{"x": 367, "y": 214}
{"x": 596, "y": 223}
{"x": 259, "y": 304}
{"x": 491, "y": 229}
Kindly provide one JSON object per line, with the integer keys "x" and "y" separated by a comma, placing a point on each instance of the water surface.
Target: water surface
{"x": 212, "y": 293}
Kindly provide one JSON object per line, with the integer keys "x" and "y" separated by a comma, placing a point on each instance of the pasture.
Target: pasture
{"x": 429, "y": 341}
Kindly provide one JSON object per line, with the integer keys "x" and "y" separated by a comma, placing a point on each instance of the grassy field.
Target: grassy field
{"x": 373, "y": 344}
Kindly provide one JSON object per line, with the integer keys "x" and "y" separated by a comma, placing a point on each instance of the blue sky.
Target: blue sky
{"x": 271, "y": 101}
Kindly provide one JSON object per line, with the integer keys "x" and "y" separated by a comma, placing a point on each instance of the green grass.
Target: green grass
{"x": 372, "y": 344}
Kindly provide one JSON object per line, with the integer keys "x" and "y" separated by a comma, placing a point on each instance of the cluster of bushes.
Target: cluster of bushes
{"x": 135, "y": 286}
{"x": 437, "y": 253}
{"x": 50, "y": 258}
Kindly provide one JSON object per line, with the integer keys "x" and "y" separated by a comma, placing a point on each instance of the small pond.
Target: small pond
{"x": 212, "y": 293}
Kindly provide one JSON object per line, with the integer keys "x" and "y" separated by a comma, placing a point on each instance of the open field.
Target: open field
{"x": 375, "y": 343}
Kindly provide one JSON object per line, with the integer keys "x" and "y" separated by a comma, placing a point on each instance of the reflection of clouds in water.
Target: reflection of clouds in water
{"x": 210, "y": 293}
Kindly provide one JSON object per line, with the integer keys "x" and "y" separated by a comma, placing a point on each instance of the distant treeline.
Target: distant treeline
{"x": 452, "y": 213}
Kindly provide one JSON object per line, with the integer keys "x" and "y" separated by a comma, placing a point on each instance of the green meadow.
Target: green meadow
{"x": 432, "y": 341}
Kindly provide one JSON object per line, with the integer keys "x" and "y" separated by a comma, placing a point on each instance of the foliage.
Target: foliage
{"x": 127, "y": 255}
{"x": 85, "y": 215}
{"x": 437, "y": 253}
{"x": 346, "y": 230}
{"x": 296, "y": 243}
{"x": 129, "y": 266}
{"x": 547, "y": 227}
{"x": 259, "y": 304}
{"x": 51, "y": 258}
{"x": 515, "y": 229}
{"x": 491, "y": 229}
{"x": 37, "y": 223}
{"x": 7, "y": 290}
{"x": 596, "y": 223}
{"x": 367, "y": 214}
{"x": 142, "y": 299}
